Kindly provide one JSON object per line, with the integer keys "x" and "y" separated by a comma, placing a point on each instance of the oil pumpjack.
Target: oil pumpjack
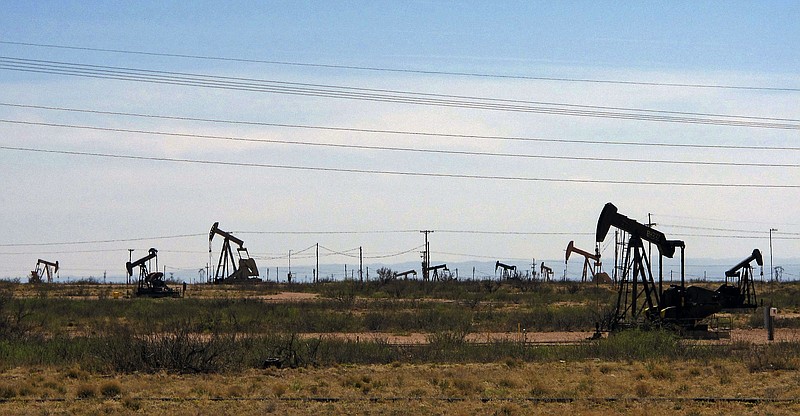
{"x": 231, "y": 268}
{"x": 44, "y": 268}
{"x": 150, "y": 284}
{"x": 591, "y": 269}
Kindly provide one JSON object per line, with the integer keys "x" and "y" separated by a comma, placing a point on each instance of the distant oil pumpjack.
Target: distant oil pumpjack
{"x": 591, "y": 269}
{"x": 44, "y": 268}
{"x": 509, "y": 271}
{"x": 150, "y": 284}
{"x": 230, "y": 268}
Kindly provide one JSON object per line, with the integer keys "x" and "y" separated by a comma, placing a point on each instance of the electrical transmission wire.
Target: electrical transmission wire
{"x": 124, "y": 240}
{"x": 404, "y": 173}
{"x": 389, "y": 96}
{"x": 402, "y": 70}
{"x": 404, "y": 132}
{"x": 402, "y": 149}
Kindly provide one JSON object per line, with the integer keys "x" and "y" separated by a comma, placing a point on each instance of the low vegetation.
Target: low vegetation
{"x": 82, "y": 343}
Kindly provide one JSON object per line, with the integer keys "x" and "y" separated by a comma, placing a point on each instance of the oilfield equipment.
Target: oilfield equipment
{"x": 740, "y": 292}
{"x": 436, "y": 276}
{"x": 641, "y": 301}
{"x": 150, "y": 284}
{"x": 232, "y": 269}
{"x": 43, "y": 268}
{"x": 546, "y": 272}
{"x": 405, "y": 274}
{"x": 591, "y": 269}
{"x": 509, "y": 272}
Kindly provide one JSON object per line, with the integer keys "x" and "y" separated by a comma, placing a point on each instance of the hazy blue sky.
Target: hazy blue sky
{"x": 692, "y": 62}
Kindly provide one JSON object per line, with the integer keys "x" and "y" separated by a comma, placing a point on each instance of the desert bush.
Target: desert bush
{"x": 86, "y": 391}
{"x": 111, "y": 389}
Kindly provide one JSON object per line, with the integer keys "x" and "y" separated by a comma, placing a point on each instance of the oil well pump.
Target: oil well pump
{"x": 230, "y": 268}
{"x": 740, "y": 291}
{"x": 639, "y": 299}
{"x": 546, "y": 272}
{"x": 405, "y": 274}
{"x": 591, "y": 264}
{"x": 436, "y": 276}
{"x": 509, "y": 272}
{"x": 150, "y": 284}
{"x": 43, "y": 268}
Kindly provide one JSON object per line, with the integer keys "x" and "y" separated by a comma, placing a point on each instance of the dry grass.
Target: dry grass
{"x": 637, "y": 388}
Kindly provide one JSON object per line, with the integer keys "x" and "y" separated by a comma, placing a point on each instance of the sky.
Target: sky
{"x": 503, "y": 127}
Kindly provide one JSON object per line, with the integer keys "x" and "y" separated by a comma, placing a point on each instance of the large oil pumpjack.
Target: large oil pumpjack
{"x": 640, "y": 300}
{"x": 43, "y": 268}
{"x": 150, "y": 284}
{"x": 232, "y": 269}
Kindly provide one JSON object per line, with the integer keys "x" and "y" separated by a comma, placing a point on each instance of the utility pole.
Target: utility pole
{"x": 130, "y": 260}
{"x": 316, "y": 274}
{"x": 360, "y": 265}
{"x": 771, "y": 269}
{"x": 289, "y": 274}
{"x": 426, "y": 256}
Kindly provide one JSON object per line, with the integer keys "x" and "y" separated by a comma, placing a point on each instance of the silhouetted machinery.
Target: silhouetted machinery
{"x": 230, "y": 268}
{"x": 740, "y": 291}
{"x": 150, "y": 284}
{"x": 547, "y": 273}
{"x": 509, "y": 272}
{"x": 405, "y": 274}
{"x": 589, "y": 268}
{"x": 640, "y": 300}
{"x": 43, "y": 268}
{"x": 436, "y": 276}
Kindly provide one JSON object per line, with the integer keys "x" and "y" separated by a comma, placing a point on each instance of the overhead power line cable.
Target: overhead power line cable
{"x": 403, "y": 70}
{"x": 123, "y": 240}
{"x": 405, "y": 149}
{"x": 407, "y": 132}
{"x": 407, "y": 173}
{"x": 390, "y": 96}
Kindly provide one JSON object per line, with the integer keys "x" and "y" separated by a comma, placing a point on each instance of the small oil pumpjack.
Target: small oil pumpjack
{"x": 436, "y": 276}
{"x": 405, "y": 274}
{"x": 509, "y": 272}
{"x": 44, "y": 268}
{"x": 546, "y": 272}
{"x": 591, "y": 269}
{"x": 740, "y": 291}
{"x": 230, "y": 268}
{"x": 150, "y": 284}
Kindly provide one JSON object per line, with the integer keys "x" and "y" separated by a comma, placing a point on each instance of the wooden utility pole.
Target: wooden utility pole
{"x": 426, "y": 256}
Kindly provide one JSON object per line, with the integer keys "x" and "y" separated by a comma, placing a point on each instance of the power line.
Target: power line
{"x": 724, "y": 229}
{"x": 66, "y": 243}
{"x": 405, "y": 173}
{"x": 389, "y": 96}
{"x": 407, "y": 132}
{"x": 405, "y": 70}
{"x": 403, "y": 149}
{"x": 328, "y": 232}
